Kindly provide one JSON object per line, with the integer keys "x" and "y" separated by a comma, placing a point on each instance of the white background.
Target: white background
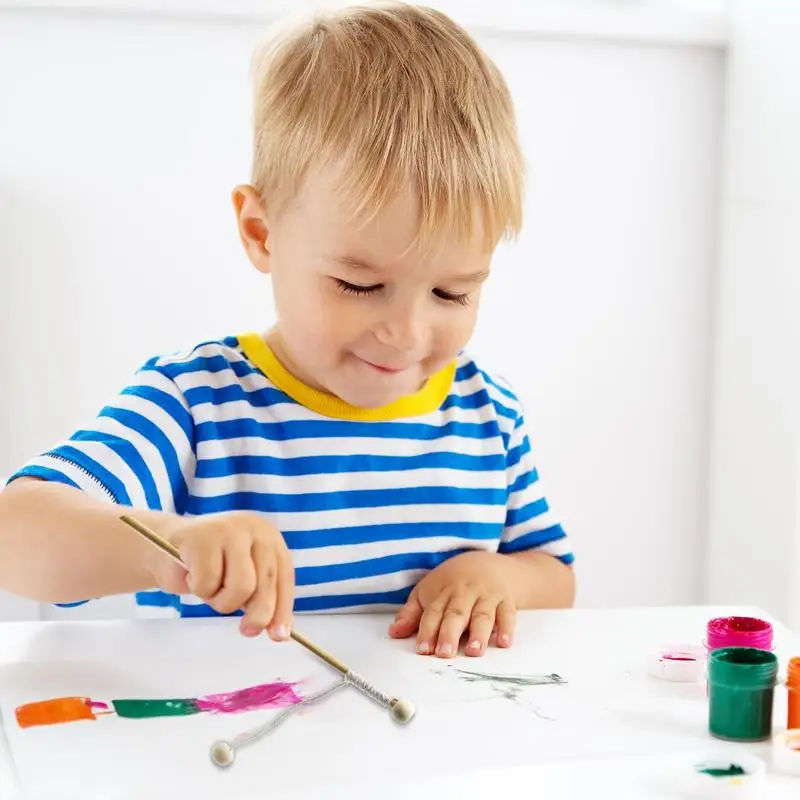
{"x": 661, "y": 139}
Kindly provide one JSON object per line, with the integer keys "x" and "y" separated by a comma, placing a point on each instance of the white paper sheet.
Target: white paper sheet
{"x": 604, "y": 711}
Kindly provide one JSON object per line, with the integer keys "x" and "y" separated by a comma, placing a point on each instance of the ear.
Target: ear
{"x": 252, "y": 221}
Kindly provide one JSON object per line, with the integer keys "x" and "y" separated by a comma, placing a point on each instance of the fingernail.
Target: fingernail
{"x": 282, "y": 632}
{"x": 446, "y": 650}
{"x": 504, "y": 638}
{"x": 250, "y": 630}
{"x": 423, "y": 648}
{"x": 476, "y": 645}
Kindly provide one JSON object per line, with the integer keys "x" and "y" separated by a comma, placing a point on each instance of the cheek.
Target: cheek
{"x": 325, "y": 324}
{"x": 455, "y": 332}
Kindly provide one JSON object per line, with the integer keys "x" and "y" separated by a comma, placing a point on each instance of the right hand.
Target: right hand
{"x": 233, "y": 560}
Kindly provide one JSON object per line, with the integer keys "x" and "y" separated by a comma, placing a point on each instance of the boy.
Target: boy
{"x": 353, "y": 457}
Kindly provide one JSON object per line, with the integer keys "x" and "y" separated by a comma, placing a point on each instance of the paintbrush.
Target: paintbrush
{"x": 401, "y": 710}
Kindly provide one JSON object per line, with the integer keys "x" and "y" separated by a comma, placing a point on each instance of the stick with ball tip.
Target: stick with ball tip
{"x": 223, "y": 751}
{"x": 401, "y": 711}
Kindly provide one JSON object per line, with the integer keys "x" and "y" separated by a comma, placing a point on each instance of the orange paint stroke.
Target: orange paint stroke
{"x": 53, "y": 712}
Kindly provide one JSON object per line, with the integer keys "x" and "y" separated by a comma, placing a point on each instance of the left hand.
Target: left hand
{"x": 466, "y": 593}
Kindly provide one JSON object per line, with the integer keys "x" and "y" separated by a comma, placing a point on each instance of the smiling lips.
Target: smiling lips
{"x": 386, "y": 370}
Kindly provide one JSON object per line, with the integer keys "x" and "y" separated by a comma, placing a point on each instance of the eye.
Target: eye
{"x": 354, "y": 288}
{"x": 461, "y": 299}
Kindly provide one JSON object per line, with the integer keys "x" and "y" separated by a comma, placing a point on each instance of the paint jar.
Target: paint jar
{"x": 793, "y": 687}
{"x": 741, "y": 684}
{"x": 738, "y": 632}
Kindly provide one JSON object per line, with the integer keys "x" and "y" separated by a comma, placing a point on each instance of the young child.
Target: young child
{"x": 353, "y": 457}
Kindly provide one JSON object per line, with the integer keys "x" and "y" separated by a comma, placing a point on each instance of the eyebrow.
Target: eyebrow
{"x": 473, "y": 277}
{"x": 357, "y": 263}
{"x": 367, "y": 266}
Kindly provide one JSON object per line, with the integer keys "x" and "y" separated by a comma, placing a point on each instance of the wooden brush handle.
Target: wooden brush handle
{"x": 174, "y": 553}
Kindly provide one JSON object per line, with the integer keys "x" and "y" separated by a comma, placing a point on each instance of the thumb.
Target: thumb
{"x": 407, "y": 619}
{"x": 174, "y": 579}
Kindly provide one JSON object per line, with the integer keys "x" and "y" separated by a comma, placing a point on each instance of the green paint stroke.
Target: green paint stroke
{"x": 723, "y": 772}
{"x": 143, "y": 709}
{"x": 513, "y": 680}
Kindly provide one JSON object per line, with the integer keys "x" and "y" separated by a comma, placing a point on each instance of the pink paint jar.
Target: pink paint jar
{"x": 738, "y": 632}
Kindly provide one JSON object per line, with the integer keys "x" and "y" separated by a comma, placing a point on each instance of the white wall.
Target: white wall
{"x": 121, "y": 136}
{"x": 754, "y": 527}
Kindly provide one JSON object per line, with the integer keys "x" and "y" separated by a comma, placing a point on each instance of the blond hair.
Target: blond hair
{"x": 403, "y": 98}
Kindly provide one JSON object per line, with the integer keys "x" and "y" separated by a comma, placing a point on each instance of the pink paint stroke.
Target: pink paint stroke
{"x": 265, "y": 695}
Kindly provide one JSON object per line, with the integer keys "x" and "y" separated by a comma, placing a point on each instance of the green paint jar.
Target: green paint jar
{"x": 741, "y": 683}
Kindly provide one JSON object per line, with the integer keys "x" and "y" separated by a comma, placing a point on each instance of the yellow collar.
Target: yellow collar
{"x": 426, "y": 400}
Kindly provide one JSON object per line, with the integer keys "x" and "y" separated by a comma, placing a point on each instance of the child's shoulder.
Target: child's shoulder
{"x": 211, "y": 356}
{"x": 474, "y": 379}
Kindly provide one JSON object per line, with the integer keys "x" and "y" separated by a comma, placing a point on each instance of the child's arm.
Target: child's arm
{"x": 58, "y": 545}
{"x": 480, "y": 592}
{"x": 539, "y": 580}
{"x": 61, "y": 540}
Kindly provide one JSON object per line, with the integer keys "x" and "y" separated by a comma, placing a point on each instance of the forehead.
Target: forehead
{"x": 388, "y": 236}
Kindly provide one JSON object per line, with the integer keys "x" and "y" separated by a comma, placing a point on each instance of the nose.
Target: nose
{"x": 400, "y": 327}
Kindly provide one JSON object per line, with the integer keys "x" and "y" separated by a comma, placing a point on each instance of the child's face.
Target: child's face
{"x": 361, "y": 316}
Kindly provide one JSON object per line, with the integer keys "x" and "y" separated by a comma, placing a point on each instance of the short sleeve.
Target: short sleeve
{"x": 138, "y": 451}
{"x": 530, "y": 523}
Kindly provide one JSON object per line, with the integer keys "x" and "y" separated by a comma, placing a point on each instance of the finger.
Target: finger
{"x": 429, "y": 623}
{"x": 407, "y": 620}
{"x": 260, "y": 608}
{"x": 454, "y": 622}
{"x": 506, "y": 623}
{"x": 480, "y": 626}
{"x": 205, "y": 567}
{"x": 281, "y": 624}
{"x": 174, "y": 579}
{"x": 239, "y": 580}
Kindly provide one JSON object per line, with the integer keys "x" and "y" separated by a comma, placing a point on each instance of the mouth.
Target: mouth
{"x": 384, "y": 369}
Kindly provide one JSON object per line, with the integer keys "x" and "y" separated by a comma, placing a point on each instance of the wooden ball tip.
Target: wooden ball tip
{"x": 222, "y": 754}
{"x": 403, "y": 711}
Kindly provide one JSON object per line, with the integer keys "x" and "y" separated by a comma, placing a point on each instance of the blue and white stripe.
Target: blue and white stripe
{"x": 366, "y": 508}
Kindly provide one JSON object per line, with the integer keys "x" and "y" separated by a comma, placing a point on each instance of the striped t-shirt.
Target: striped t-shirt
{"x": 368, "y": 500}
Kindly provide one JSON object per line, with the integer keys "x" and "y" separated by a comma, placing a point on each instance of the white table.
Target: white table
{"x": 613, "y": 642}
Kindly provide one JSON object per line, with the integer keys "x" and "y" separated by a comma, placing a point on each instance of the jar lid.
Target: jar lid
{"x": 683, "y": 663}
{"x": 722, "y": 776}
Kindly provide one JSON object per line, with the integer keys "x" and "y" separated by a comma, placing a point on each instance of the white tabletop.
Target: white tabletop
{"x": 611, "y": 642}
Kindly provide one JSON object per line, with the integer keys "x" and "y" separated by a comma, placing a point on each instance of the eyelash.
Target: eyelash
{"x": 361, "y": 291}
